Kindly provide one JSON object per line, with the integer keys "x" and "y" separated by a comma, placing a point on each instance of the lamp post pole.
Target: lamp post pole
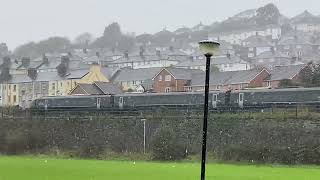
{"x": 205, "y": 118}
{"x": 144, "y": 135}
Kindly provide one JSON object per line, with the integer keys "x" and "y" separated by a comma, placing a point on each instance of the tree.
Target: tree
{"x": 83, "y": 40}
{"x": 5, "y": 74}
{"x": 268, "y": 14}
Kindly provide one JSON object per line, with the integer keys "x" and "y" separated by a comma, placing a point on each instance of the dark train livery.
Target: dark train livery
{"x": 217, "y": 99}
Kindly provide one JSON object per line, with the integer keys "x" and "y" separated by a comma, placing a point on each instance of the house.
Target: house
{"x": 279, "y": 73}
{"x": 270, "y": 59}
{"x": 96, "y": 88}
{"x": 255, "y": 45}
{"x": 230, "y": 80}
{"x": 223, "y": 63}
{"x": 306, "y": 22}
{"x": 173, "y": 79}
{"x": 144, "y": 61}
{"x": 131, "y": 79}
{"x": 237, "y": 36}
{"x": 63, "y": 85}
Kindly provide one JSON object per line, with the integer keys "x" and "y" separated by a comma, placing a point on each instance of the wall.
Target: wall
{"x": 173, "y": 84}
{"x": 259, "y": 79}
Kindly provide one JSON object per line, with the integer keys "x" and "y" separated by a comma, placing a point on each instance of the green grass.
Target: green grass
{"x": 30, "y": 168}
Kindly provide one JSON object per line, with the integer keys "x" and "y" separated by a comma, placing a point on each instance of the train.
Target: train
{"x": 241, "y": 99}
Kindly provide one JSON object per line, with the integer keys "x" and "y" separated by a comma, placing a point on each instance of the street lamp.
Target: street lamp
{"x": 209, "y": 49}
{"x": 144, "y": 135}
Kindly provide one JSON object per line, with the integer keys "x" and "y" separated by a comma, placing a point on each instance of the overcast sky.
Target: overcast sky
{"x": 23, "y": 21}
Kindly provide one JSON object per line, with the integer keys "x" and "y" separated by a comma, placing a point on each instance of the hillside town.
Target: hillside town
{"x": 274, "y": 52}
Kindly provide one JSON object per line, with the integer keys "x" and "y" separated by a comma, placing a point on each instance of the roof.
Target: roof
{"x": 227, "y": 77}
{"x": 305, "y": 17}
{"x": 216, "y": 61}
{"x": 126, "y": 74}
{"x": 108, "y": 88}
{"x": 257, "y": 41}
{"x": 109, "y": 72}
{"x": 89, "y": 89}
{"x": 271, "y": 54}
{"x": 180, "y": 73}
{"x": 77, "y": 74}
{"x": 285, "y": 72}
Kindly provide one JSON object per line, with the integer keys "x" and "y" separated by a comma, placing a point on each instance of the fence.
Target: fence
{"x": 288, "y": 134}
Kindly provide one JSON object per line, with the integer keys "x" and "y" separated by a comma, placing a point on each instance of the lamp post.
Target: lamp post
{"x": 144, "y": 135}
{"x": 209, "y": 49}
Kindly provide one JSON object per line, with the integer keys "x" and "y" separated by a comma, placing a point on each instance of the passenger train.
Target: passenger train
{"x": 217, "y": 100}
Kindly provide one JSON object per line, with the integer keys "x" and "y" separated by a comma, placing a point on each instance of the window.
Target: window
{"x": 53, "y": 86}
{"x": 134, "y": 82}
{"x": 167, "y": 90}
{"x": 14, "y": 99}
{"x": 14, "y": 88}
{"x": 60, "y": 84}
{"x": 9, "y": 99}
{"x": 168, "y": 78}
{"x": 160, "y": 77}
{"x": 9, "y": 87}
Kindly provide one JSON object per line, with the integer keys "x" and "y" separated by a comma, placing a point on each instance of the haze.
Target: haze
{"x": 33, "y": 20}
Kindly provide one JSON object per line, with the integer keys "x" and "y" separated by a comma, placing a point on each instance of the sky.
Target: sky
{"x": 23, "y": 21}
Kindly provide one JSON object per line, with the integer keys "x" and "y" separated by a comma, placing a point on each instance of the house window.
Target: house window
{"x": 53, "y": 86}
{"x": 269, "y": 84}
{"x": 134, "y": 82}
{"x": 160, "y": 77}
{"x": 60, "y": 84}
{"x": 168, "y": 78}
{"x": 9, "y": 87}
{"x": 14, "y": 99}
{"x": 14, "y": 88}
{"x": 9, "y": 99}
{"x": 167, "y": 90}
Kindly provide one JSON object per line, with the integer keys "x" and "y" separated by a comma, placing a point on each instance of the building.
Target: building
{"x": 230, "y": 80}
{"x": 306, "y": 22}
{"x": 96, "y": 88}
{"x": 270, "y": 59}
{"x": 223, "y": 63}
{"x": 279, "y": 73}
{"x": 237, "y": 36}
{"x": 131, "y": 79}
{"x": 255, "y": 45}
{"x": 173, "y": 79}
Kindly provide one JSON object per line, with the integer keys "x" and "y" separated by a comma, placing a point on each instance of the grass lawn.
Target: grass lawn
{"x": 28, "y": 168}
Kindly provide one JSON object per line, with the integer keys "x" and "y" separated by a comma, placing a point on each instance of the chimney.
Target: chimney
{"x": 257, "y": 33}
{"x": 25, "y": 61}
{"x": 141, "y": 52}
{"x": 98, "y": 54}
{"x": 126, "y": 55}
{"x": 85, "y": 51}
{"x": 45, "y": 59}
{"x": 228, "y": 55}
{"x": 32, "y": 73}
{"x": 171, "y": 48}
{"x": 69, "y": 54}
{"x": 65, "y": 60}
{"x": 158, "y": 53}
{"x": 95, "y": 67}
{"x": 272, "y": 50}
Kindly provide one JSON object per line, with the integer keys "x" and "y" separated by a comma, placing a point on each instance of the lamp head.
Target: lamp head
{"x": 208, "y": 47}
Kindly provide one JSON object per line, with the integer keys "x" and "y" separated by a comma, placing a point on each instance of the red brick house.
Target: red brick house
{"x": 173, "y": 79}
{"x": 279, "y": 73}
{"x": 230, "y": 80}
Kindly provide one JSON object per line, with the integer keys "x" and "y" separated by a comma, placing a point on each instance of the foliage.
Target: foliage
{"x": 166, "y": 145}
{"x": 310, "y": 76}
{"x": 83, "y": 40}
{"x": 50, "y": 45}
{"x": 268, "y": 14}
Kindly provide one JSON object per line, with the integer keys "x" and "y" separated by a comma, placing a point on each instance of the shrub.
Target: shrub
{"x": 166, "y": 145}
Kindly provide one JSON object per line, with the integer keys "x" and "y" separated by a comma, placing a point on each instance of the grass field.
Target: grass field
{"x": 27, "y": 168}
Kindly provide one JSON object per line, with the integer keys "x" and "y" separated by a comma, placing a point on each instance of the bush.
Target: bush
{"x": 16, "y": 142}
{"x": 166, "y": 145}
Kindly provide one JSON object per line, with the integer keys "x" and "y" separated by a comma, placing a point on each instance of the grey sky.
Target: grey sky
{"x": 22, "y": 21}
